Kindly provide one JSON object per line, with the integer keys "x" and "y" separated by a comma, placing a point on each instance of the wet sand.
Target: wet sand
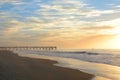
{"x": 14, "y": 67}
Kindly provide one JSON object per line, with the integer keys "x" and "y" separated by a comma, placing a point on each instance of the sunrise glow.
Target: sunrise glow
{"x": 115, "y": 42}
{"x": 74, "y": 24}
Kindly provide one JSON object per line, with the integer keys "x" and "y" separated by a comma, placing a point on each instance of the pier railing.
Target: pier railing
{"x": 43, "y": 48}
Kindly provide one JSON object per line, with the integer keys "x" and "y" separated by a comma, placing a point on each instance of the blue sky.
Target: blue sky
{"x": 102, "y": 4}
{"x": 60, "y": 22}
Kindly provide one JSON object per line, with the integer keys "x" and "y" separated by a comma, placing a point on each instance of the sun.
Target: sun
{"x": 115, "y": 42}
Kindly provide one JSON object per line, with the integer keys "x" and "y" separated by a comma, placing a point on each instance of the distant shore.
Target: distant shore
{"x": 14, "y": 67}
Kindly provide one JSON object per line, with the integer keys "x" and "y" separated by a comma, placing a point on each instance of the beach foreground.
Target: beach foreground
{"x": 14, "y": 67}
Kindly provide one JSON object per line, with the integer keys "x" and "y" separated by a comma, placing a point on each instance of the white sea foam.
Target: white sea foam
{"x": 98, "y": 56}
{"x": 102, "y": 71}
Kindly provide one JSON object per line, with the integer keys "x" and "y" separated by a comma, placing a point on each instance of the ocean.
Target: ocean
{"x": 104, "y": 64}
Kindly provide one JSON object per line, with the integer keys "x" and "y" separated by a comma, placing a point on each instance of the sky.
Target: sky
{"x": 67, "y": 24}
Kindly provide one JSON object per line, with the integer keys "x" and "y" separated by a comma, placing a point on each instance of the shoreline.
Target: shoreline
{"x": 14, "y": 67}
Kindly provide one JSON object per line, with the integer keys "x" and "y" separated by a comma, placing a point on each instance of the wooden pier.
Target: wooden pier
{"x": 42, "y": 48}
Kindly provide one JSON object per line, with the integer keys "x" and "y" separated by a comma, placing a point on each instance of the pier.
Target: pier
{"x": 42, "y": 48}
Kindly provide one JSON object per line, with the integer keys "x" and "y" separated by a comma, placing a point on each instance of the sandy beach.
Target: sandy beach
{"x": 14, "y": 67}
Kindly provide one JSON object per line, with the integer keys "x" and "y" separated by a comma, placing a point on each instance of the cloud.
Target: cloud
{"x": 13, "y": 2}
{"x": 98, "y": 28}
{"x": 69, "y": 20}
{"x": 72, "y": 8}
{"x": 114, "y": 22}
{"x": 9, "y": 1}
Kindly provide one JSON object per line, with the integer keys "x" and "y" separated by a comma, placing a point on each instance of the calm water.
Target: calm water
{"x": 105, "y": 64}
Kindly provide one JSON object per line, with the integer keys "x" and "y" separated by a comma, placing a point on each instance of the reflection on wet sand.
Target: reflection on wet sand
{"x": 102, "y": 71}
